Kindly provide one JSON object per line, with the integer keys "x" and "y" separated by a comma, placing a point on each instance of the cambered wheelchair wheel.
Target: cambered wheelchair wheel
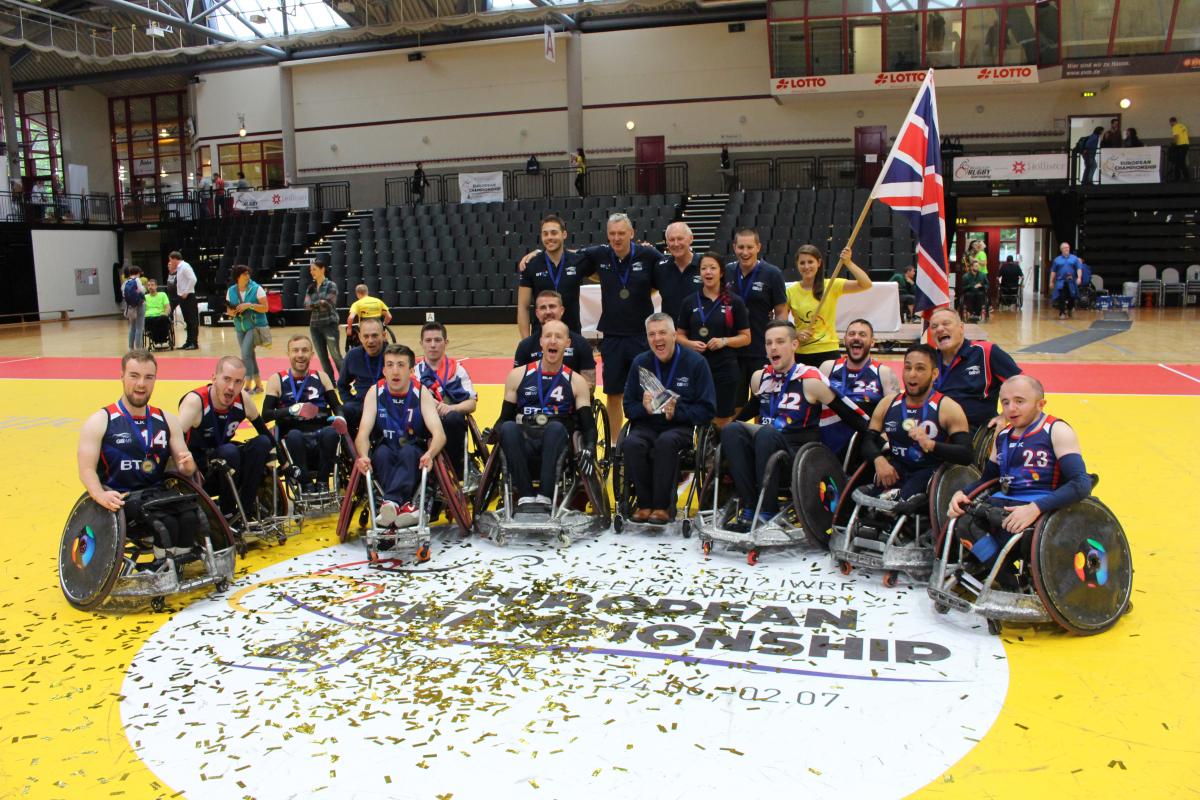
{"x": 818, "y": 485}
{"x": 981, "y": 446}
{"x": 354, "y": 502}
{"x": 457, "y": 507}
{"x": 946, "y": 481}
{"x": 91, "y": 553}
{"x": 605, "y": 452}
{"x": 489, "y": 482}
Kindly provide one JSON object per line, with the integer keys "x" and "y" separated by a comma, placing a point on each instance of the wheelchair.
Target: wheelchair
{"x": 1011, "y": 296}
{"x": 159, "y": 333}
{"x": 579, "y": 504}
{"x": 107, "y": 554}
{"x": 327, "y": 499}
{"x": 805, "y": 513}
{"x": 443, "y": 495}
{"x": 1075, "y": 569}
{"x": 982, "y": 440}
{"x": 604, "y": 450}
{"x": 274, "y": 516}
{"x": 699, "y": 458}
{"x": 475, "y": 457}
{"x": 892, "y": 535}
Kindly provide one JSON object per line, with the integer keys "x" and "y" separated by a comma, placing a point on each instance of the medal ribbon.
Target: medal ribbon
{"x": 612, "y": 258}
{"x": 777, "y": 397}
{"x": 554, "y": 380}
{"x": 555, "y": 275}
{"x": 670, "y": 375}
{"x": 746, "y": 284}
{"x": 700, "y": 309}
{"x": 146, "y": 433}
{"x": 390, "y": 401}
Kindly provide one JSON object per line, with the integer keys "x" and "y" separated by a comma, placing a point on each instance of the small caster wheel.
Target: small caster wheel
{"x": 242, "y": 548}
{"x": 685, "y": 528}
{"x": 889, "y": 578}
{"x": 423, "y": 554}
{"x": 222, "y": 585}
{"x": 706, "y": 546}
{"x": 941, "y": 608}
{"x": 372, "y": 554}
{"x": 563, "y": 540}
{"x": 282, "y": 540}
{"x": 752, "y": 558}
{"x": 362, "y": 518}
{"x": 618, "y": 523}
{"x": 158, "y": 604}
{"x": 994, "y": 627}
{"x": 845, "y": 567}
{"x": 501, "y": 538}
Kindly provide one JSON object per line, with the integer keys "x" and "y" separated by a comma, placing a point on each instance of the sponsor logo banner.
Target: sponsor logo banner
{"x": 975, "y": 76}
{"x": 1130, "y": 65}
{"x": 1130, "y": 165}
{"x": 632, "y": 669}
{"x": 481, "y": 187}
{"x": 271, "y": 199}
{"x": 1036, "y": 167}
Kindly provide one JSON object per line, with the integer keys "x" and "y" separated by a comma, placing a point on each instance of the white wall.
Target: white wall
{"x": 56, "y": 256}
{"x": 222, "y": 96}
{"x": 85, "y": 136}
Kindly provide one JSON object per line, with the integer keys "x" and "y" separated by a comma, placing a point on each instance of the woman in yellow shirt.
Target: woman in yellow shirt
{"x": 818, "y": 339}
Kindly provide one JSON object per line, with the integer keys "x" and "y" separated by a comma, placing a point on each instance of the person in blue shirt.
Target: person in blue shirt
{"x": 554, "y": 269}
{"x": 763, "y": 290}
{"x": 656, "y": 437}
{"x": 578, "y": 356}
{"x": 1066, "y": 275}
{"x": 451, "y": 386}
{"x": 1091, "y": 146}
{"x": 362, "y": 368}
{"x": 677, "y": 275}
{"x": 970, "y": 372}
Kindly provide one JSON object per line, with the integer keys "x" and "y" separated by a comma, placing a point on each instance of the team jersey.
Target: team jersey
{"x": 308, "y": 390}
{"x": 134, "y": 450}
{"x": 781, "y": 401}
{"x": 863, "y": 386}
{"x": 577, "y": 355}
{"x": 761, "y": 290}
{"x": 542, "y": 393}
{"x": 564, "y": 277}
{"x": 625, "y": 287}
{"x": 674, "y": 284}
{"x": 215, "y": 428}
{"x": 450, "y": 384}
{"x": 905, "y": 453}
{"x": 398, "y": 420}
{"x": 1027, "y": 462}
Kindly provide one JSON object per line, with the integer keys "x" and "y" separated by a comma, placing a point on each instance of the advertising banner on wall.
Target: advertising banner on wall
{"x": 143, "y": 166}
{"x": 1129, "y": 165}
{"x": 481, "y": 187}
{"x": 1160, "y": 64}
{"x": 271, "y": 200}
{"x": 867, "y": 81}
{"x": 1029, "y": 167}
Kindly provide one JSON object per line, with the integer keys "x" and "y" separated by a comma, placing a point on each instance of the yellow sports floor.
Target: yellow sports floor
{"x": 1113, "y": 715}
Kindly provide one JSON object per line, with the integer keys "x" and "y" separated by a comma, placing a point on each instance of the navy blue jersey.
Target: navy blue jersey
{"x": 625, "y": 286}
{"x": 360, "y": 371}
{"x": 564, "y": 277}
{"x": 215, "y": 427}
{"x": 577, "y": 355}
{"x": 1027, "y": 462}
{"x": 863, "y": 386}
{"x": 761, "y": 290}
{"x": 545, "y": 393}
{"x": 905, "y": 454}
{"x": 398, "y": 419}
{"x": 450, "y": 384}
{"x": 307, "y": 390}
{"x": 973, "y": 379}
{"x": 686, "y": 374}
{"x": 675, "y": 285}
{"x": 717, "y": 318}
{"x": 134, "y": 450}
{"x": 781, "y": 401}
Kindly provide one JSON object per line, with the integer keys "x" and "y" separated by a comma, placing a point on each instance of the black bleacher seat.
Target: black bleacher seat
{"x": 444, "y": 298}
{"x": 426, "y": 299}
{"x": 481, "y": 297}
{"x": 406, "y": 298}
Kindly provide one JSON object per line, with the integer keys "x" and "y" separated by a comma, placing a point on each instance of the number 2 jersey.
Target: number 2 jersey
{"x": 308, "y": 390}
{"x": 124, "y": 454}
{"x": 1028, "y": 461}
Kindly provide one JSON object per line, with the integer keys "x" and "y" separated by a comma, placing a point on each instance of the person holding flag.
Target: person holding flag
{"x": 813, "y": 301}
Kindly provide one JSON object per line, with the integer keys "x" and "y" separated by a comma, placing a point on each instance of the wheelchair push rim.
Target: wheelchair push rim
{"x": 91, "y": 553}
{"x": 818, "y": 484}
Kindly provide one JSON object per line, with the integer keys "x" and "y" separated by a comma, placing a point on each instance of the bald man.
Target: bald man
{"x": 970, "y": 372}
{"x": 678, "y": 274}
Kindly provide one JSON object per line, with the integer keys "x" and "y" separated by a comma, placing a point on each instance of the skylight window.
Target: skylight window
{"x": 241, "y": 18}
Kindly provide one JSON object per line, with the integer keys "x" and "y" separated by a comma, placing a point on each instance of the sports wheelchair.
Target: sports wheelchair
{"x": 352, "y": 339}
{"x": 159, "y": 333}
{"x": 806, "y": 506}
{"x": 889, "y": 534}
{"x": 693, "y": 470}
{"x": 275, "y": 515}
{"x": 1011, "y": 296}
{"x": 304, "y": 500}
{"x": 107, "y": 554}
{"x": 579, "y": 504}
{"x": 1073, "y": 568}
{"x": 358, "y": 502}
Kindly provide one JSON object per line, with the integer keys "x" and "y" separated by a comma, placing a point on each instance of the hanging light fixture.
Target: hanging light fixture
{"x": 242, "y": 125}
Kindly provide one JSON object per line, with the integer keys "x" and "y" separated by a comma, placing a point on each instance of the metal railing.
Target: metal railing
{"x": 796, "y": 173}
{"x": 58, "y": 209}
{"x": 754, "y": 173}
{"x": 331, "y": 195}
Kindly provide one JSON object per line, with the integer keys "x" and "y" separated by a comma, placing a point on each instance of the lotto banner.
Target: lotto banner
{"x": 1130, "y": 165}
{"x": 481, "y": 187}
{"x": 1039, "y": 167}
{"x": 271, "y": 200}
{"x": 975, "y": 76}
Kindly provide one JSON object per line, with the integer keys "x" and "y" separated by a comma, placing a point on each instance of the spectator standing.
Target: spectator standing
{"x": 321, "y": 299}
{"x": 243, "y": 185}
{"x": 134, "y": 295}
{"x": 907, "y": 282}
{"x": 246, "y": 302}
{"x": 218, "y": 196}
{"x": 419, "y": 182}
{"x": 1131, "y": 138}
{"x": 1066, "y": 273}
{"x": 1177, "y": 168}
{"x": 580, "y": 162}
{"x": 184, "y": 278}
{"x": 1091, "y": 146}
{"x": 1112, "y": 136}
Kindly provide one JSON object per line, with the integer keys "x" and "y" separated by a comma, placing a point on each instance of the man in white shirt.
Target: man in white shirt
{"x": 184, "y": 278}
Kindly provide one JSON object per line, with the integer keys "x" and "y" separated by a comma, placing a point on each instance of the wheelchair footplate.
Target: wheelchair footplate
{"x": 172, "y": 576}
{"x": 882, "y": 535}
{"x": 782, "y": 530}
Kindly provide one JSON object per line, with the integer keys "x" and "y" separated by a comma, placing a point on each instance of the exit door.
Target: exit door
{"x": 650, "y": 153}
{"x": 870, "y": 149}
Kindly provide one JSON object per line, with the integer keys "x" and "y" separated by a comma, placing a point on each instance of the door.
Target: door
{"x": 870, "y": 149}
{"x": 650, "y": 153}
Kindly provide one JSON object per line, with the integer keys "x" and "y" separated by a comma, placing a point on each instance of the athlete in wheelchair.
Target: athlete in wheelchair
{"x": 758, "y": 457}
{"x": 914, "y": 436}
{"x": 860, "y": 378}
{"x": 402, "y": 478}
{"x": 455, "y": 398}
{"x": 139, "y": 530}
{"x": 1026, "y": 542}
{"x": 302, "y": 403}
{"x": 235, "y": 473}
{"x": 546, "y": 429}
{"x": 160, "y": 332}
{"x": 669, "y": 402}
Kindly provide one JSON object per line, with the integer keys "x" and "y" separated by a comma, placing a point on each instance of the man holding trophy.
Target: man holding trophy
{"x": 668, "y": 392}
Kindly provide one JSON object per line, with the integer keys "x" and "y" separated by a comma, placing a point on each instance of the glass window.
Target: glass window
{"x": 1047, "y": 30}
{"x": 789, "y": 49}
{"x": 826, "y": 45}
{"x": 228, "y": 154}
{"x": 248, "y": 19}
{"x": 1086, "y": 25}
{"x": 1187, "y": 28}
{"x": 866, "y": 44}
{"x": 903, "y": 42}
{"x": 252, "y": 151}
{"x": 982, "y": 41}
{"x": 1020, "y": 36}
{"x": 1142, "y": 26}
{"x": 787, "y": 9}
{"x": 943, "y": 37}
{"x": 824, "y": 8}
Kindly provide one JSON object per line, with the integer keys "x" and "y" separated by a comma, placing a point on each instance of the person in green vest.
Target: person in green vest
{"x": 158, "y": 313}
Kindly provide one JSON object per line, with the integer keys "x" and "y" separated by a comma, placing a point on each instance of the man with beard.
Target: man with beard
{"x": 553, "y": 270}
{"x": 361, "y": 369}
{"x": 858, "y": 377}
{"x": 300, "y": 401}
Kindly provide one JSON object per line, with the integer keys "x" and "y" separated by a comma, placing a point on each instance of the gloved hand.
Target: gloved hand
{"x": 587, "y": 462}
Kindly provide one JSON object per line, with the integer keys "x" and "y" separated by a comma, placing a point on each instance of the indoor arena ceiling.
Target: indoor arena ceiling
{"x": 120, "y": 44}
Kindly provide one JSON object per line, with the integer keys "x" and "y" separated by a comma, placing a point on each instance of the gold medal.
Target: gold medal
{"x": 703, "y": 332}
{"x": 624, "y": 294}
{"x": 541, "y": 419}
{"x": 908, "y": 424}
{"x": 148, "y": 466}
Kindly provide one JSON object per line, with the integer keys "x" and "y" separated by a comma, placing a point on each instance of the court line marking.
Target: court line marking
{"x": 19, "y": 360}
{"x": 1177, "y": 372}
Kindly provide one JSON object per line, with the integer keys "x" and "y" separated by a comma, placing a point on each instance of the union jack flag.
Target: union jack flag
{"x": 911, "y": 183}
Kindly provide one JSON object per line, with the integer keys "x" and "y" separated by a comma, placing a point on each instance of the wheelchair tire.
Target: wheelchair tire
{"x": 218, "y": 528}
{"x": 489, "y": 482}
{"x": 91, "y": 553}
{"x": 604, "y": 450}
{"x": 863, "y": 475}
{"x": 948, "y": 479}
{"x": 981, "y": 446}
{"x": 597, "y": 496}
{"x": 457, "y": 507}
{"x": 351, "y": 500}
{"x": 818, "y": 483}
{"x": 1081, "y": 567}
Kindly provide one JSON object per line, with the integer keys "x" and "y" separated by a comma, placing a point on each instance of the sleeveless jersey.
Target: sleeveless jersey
{"x": 1028, "y": 461}
{"x": 215, "y": 428}
{"x": 556, "y": 397}
{"x": 124, "y": 454}
{"x": 905, "y": 453}
{"x": 864, "y": 386}
{"x": 781, "y": 401}
{"x": 451, "y": 385}
{"x": 308, "y": 390}
{"x": 399, "y": 419}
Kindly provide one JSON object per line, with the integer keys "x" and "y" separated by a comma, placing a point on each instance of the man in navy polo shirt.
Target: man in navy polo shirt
{"x": 761, "y": 287}
{"x": 362, "y": 368}
{"x": 678, "y": 275}
{"x": 578, "y": 355}
{"x": 552, "y": 269}
{"x": 970, "y": 372}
